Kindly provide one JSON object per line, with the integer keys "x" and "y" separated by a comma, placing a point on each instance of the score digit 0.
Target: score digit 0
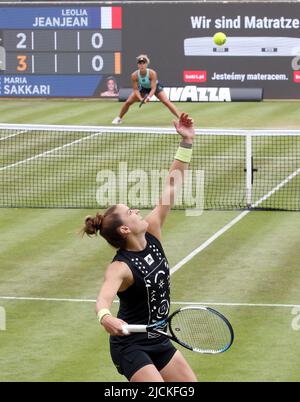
{"x": 22, "y": 63}
{"x": 97, "y": 40}
{"x": 97, "y": 63}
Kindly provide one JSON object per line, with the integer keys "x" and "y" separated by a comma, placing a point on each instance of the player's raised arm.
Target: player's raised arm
{"x": 156, "y": 218}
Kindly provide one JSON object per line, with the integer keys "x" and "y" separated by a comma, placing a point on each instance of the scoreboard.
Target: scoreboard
{"x": 60, "y": 51}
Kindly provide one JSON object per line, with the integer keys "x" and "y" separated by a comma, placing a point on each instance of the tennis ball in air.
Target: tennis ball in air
{"x": 220, "y": 38}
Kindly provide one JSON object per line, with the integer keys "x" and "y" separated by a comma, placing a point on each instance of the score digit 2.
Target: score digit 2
{"x": 22, "y": 42}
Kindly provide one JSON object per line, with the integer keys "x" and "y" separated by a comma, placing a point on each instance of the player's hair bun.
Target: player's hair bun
{"x": 107, "y": 226}
{"x": 92, "y": 225}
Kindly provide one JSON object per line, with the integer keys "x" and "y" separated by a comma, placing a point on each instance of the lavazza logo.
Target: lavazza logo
{"x": 192, "y": 93}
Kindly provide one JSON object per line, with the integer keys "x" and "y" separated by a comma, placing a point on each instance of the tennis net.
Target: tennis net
{"x": 95, "y": 167}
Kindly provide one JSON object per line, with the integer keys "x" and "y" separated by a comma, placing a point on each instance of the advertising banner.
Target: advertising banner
{"x": 262, "y": 48}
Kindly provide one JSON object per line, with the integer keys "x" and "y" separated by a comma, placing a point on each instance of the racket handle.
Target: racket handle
{"x": 130, "y": 329}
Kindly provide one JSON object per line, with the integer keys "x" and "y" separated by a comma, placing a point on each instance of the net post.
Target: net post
{"x": 249, "y": 159}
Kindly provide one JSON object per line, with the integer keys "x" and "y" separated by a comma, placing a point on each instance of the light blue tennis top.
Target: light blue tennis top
{"x": 144, "y": 81}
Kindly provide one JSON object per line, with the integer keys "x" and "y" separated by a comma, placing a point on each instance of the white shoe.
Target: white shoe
{"x": 117, "y": 120}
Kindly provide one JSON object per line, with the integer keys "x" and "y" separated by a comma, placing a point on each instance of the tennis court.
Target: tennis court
{"x": 244, "y": 264}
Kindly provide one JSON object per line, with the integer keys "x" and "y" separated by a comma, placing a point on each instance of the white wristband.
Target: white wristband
{"x": 102, "y": 313}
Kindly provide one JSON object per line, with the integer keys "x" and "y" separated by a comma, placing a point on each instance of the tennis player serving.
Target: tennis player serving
{"x": 139, "y": 275}
{"x": 145, "y": 85}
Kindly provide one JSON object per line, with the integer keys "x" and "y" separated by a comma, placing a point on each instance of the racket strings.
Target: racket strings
{"x": 202, "y": 330}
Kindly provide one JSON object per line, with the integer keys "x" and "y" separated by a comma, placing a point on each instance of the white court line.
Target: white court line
{"x": 227, "y": 227}
{"x": 278, "y": 187}
{"x": 58, "y": 300}
{"x": 13, "y": 135}
{"x": 46, "y": 299}
{"x": 209, "y": 242}
{"x": 240, "y": 304}
{"x": 46, "y": 153}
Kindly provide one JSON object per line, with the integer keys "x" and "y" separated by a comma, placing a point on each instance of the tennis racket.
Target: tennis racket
{"x": 200, "y": 329}
{"x": 143, "y": 100}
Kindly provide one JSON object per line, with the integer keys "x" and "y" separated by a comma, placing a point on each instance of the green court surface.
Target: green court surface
{"x": 267, "y": 114}
{"x": 50, "y": 276}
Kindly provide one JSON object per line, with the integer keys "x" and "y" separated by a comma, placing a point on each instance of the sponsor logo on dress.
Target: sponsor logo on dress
{"x": 149, "y": 259}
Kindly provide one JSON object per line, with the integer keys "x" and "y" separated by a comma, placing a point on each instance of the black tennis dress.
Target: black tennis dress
{"x": 147, "y": 301}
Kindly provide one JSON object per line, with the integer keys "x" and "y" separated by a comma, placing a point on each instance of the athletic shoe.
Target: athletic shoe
{"x": 117, "y": 120}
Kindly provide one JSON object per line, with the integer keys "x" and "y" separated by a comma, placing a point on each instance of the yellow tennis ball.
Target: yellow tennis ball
{"x": 220, "y": 38}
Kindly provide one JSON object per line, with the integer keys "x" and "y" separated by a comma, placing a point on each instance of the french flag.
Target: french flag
{"x": 111, "y": 17}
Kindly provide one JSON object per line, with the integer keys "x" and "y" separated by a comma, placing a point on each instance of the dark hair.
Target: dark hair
{"x": 107, "y": 226}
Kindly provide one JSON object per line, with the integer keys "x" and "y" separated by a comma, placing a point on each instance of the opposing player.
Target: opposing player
{"x": 139, "y": 275}
{"x": 145, "y": 85}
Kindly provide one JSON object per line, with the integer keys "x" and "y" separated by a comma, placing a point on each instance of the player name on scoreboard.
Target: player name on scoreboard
{"x": 57, "y": 41}
{"x": 69, "y": 18}
{"x": 19, "y": 86}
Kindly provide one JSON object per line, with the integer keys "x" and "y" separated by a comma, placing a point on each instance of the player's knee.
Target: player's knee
{"x": 166, "y": 102}
{"x": 178, "y": 370}
{"x": 148, "y": 373}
